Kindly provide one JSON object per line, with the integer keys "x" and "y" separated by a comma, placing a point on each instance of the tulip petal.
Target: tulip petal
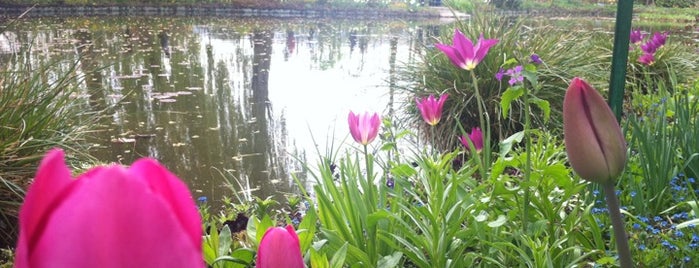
{"x": 52, "y": 181}
{"x": 453, "y": 55}
{"x": 174, "y": 193}
{"x": 463, "y": 45}
{"x": 112, "y": 219}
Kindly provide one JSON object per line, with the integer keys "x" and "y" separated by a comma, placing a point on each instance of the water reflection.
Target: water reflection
{"x": 215, "y": 99}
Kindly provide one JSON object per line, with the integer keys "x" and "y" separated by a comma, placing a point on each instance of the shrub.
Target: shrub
{"x": 676, "y": 3}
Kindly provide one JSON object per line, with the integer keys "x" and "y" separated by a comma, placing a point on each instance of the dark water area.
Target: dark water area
{"x": 238, "y": 102}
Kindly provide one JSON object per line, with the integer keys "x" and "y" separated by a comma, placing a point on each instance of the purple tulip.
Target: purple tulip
{"x": 636, "y": 36}
{"x": 279, "y": 248}
{"x": 476, "y": 137}
{"x": 365, "y": 127}
{"x": 463, "y": 53}
{"x": 594, "y": 141}
{"x": 431, "y": 109}
{"x": 646, "y": 59}
{"x": 112, "y": 216}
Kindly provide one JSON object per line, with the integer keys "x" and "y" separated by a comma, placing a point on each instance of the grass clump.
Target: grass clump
{"x": 39, "y": 109}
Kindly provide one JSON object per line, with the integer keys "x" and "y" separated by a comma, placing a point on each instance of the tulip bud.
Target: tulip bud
{"x": 279, "y": 247}
{"x": 594, "y": 141}
{"x": 364, "y": 127}
{"x": 141, "y": 216}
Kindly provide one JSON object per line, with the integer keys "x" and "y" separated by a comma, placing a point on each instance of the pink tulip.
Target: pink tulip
{"x": 646, "y": 59}
{"x": 431, "y": 109}
{"x": 463, "y": 53}
{"x": 476, "y": 138}
{"x": 279, "y": 248}
{"x": 593, "y": 138}
{"x": 365, "y": 127}
{"x": 142, "y": 216}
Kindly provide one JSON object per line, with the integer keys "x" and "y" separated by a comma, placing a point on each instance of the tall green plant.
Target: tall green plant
{"x": 565, "y": 54}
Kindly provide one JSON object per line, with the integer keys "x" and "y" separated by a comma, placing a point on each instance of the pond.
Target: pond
{"x": 221, "y": 101}
{"x": 241, "y": 102}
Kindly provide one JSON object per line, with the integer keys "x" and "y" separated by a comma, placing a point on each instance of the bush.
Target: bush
{"x": 676, "y": 3}
{"x": 507, "y": 4}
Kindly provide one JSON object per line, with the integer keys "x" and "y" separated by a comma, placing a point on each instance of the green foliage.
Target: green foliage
{"x": 676, "y": 3}
{"x": 663, "y": 142}
{"x": 564, "y": 53}
{"x": 38, "y": 111}
{"x": 507, "y": 4}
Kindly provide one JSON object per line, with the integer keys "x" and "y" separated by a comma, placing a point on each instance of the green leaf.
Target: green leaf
{"x": 543, "y": 105}
{"x": 245, "y": 255}
{"x": 262, "y": 227}
{"x": 506, "y": 145}
{"x": 224, "y": 241}
{"x": 529, "y": 73}
{"x": 309, "y": 226}
{"x": 498, "y": 222}
{"x": 511, "y": 94}
{"x": 390, "y": 261}
{"x": 375, "y": 217}
{"x": 319, "y": 260}
{"x": 688, "y": 223}
{"x": 338, "y": 260}
{"x": 388, "y": 146}
{"x": 251, "y": 229}
{"x": 403, "y": 170}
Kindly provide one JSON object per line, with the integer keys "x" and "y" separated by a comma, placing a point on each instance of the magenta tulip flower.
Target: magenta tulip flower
{"x": 646, "y": 59}
{"x": 142, "y": 216}
{"x": 364, "y": 127}
{"x": 636, "y": 36}
{"x": 594, "y": 141}
{"x": 476, "y": 137}
{"x": 280, "y": 248}
{"x": 463, "y": 53}
{"x": 431, "y": 108}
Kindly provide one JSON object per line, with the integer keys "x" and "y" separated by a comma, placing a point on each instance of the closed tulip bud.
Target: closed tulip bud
{"x": 142, "y": 216}
{"x": 594, "y": 141}
{"x": 280, "y": 248}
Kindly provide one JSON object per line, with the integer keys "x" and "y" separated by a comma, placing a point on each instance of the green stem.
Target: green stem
{"x": 432, "y": 136}
{"x": 622, "y": 241}
{"x": 371, "y": 197}
{"x": 485, "y": 127}
{"x": 528, "y": 164}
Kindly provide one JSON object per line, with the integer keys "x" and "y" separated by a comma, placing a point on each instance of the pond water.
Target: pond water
{"x": 221, "y": 101}
{"x": 225, "y": 100}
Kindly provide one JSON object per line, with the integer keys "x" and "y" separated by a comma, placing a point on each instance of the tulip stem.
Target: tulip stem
{"x": 485, "y": 127}
{"x": 528, "y": 164}
{"x": 622, "y": 241}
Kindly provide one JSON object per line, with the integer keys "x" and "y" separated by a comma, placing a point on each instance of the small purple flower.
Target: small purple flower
{"x": 500, "y": 74}
{"x": 390, "y": 183}
{"x": 535, "y": 59}
{"x": 515, "y": 75}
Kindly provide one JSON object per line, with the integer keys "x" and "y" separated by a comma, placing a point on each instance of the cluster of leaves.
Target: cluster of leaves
{"x": 38, "y": 111}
